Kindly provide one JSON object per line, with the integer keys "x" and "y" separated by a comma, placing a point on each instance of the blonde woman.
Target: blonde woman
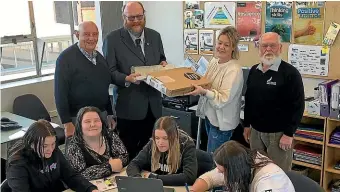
{"x": 169, "y": 156}
{"x": 220, "y": 106}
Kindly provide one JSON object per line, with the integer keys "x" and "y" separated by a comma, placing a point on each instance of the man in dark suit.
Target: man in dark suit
{"x": 138, "y": 105}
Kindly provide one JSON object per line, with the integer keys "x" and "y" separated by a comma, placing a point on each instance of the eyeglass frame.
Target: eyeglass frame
{"x": 133, "y": 18}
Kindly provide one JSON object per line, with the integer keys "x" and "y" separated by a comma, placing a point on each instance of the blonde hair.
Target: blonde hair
{"x": 169, "y": 125}
{"x": 234, "y": 38}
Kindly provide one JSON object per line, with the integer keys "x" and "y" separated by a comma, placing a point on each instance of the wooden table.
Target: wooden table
{"x": 123, "y": 173}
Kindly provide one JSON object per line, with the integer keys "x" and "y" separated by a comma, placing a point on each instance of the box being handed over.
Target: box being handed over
{"x": 176, "y": 82}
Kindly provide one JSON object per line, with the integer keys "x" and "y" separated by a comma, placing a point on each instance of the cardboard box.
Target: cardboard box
{"x": 176, "y": 82}
{"x": 146, "y": 70}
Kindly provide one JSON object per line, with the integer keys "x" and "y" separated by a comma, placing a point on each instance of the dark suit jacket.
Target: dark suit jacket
{"x": 121, "y": 54}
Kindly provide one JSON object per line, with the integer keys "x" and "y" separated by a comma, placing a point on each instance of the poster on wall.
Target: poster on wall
{"x": 248, "y": 22}
{"x": 279, "y": 18}
{"x": 309, "y": 60}
{"x": 219, "y": 14}
{"x": 193, "y": 19}
{"x": 191, "y": 41}
{"x": 192, "y": 5}
{"x": 309, "y": 22}
{"x": 206, "y": 42}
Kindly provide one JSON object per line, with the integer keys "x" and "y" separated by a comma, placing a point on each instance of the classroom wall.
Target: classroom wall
{"x": 169, "y": 13}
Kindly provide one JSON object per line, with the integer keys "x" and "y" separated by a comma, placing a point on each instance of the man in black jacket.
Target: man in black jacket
{"x": 274, "y": 103}
{"x": 82, "y": 79}
{"x": 138, "y": 105}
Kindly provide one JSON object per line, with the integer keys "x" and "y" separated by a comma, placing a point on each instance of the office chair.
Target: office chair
{"x": 30, "y": 106}
{"x": 302, "y": 183}
{"x": 205, "y": 162}
{"x": 5, "y": 187}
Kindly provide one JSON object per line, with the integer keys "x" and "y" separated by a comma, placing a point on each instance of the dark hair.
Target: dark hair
{"x": 78, "y": 135}
{"x": 238, "y": 161}
{"x": 35, "y": 135}
{"x": 123, "y": 8}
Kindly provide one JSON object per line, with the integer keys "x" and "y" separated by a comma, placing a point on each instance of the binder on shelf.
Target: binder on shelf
{"x": 324, "y": 97}
{"x": 335, "y": 101}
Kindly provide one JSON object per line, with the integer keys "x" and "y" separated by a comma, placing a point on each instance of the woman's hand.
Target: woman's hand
{"x": 198, "y": 91}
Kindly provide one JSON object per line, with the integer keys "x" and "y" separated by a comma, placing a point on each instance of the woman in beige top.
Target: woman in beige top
{"x": 241, "y": 170}
{"x": 220, "y": 106}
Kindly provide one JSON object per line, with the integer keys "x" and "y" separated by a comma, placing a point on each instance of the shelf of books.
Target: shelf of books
{"x": 308, "y": 151}
{"x": 332, "y": 154}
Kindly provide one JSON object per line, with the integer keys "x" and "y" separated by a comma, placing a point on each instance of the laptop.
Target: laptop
{"x": 137, "y": 184}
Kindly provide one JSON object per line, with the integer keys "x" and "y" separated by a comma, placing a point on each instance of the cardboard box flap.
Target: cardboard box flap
{"x": 146, "y": 70}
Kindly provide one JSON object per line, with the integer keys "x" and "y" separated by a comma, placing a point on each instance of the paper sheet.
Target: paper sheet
{"x": 309, "y": 60}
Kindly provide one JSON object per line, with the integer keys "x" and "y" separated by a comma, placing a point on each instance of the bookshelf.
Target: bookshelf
{"x": 331, "y": 156}
{"x": 317, "y": 169}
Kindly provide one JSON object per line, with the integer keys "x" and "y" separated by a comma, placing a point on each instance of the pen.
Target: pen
{"x": 186, "y": 187}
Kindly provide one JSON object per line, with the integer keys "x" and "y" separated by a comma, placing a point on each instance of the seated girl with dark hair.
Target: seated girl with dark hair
{"x": 35, "y": 164}
{"x": 169, "y": 156}
{"x": 94, "y": 150}
{"x": 240, "y": 169}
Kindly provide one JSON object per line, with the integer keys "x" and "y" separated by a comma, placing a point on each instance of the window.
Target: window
{"x": 36, "y": 33}
{"x": 53, "y": 30}
{"x": 16, "y": 46}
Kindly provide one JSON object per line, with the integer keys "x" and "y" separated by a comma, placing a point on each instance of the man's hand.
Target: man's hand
{"x": 163, "y": 63}
{"x": 111, "y": 122}
{"x": 198, "y": 91}
{"x": 132, "y": 78}
{"x": 69, "y": 129}
{"x": 286, "y": 142}
{"x": 96, "y": 190}
{"x": 246, "y": 134}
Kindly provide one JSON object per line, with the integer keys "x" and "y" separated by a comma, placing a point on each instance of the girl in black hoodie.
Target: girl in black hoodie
{"x": 169, "y": 156}
{"x": 35, "y": 164}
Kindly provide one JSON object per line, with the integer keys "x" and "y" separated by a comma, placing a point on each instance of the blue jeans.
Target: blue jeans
{"x": 216, "y": 137}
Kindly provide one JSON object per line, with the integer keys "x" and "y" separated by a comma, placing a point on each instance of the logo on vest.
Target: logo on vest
{"x": 270, "y": 82}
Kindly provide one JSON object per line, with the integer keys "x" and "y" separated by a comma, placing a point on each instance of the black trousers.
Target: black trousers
{"x": 135, "y": 134}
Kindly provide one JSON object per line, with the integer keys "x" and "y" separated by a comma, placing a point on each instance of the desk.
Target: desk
{"x": 123, "y": 173}
{"x": 6, "y": 140}
{"x": 23, "y": 121}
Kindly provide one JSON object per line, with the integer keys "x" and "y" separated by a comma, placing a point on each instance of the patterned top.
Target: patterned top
{"x": 76, "y": 157}
{"x": 91, "y": 57}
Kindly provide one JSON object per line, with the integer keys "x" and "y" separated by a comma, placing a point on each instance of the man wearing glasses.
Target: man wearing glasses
{"x": 274, "y": 103}
{"x": 138, "y": 105}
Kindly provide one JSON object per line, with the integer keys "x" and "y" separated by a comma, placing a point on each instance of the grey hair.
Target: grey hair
{"x": 123, "y": 8}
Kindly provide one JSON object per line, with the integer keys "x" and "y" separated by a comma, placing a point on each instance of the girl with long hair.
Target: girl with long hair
{"x": 239, "y": 169}
{"x": 35, "y": 164}
{"x": 169, "y": 156}
{"x": 95, "y": 151}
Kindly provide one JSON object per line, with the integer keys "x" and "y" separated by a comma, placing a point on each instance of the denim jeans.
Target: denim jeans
{"x": 216, "y": 137}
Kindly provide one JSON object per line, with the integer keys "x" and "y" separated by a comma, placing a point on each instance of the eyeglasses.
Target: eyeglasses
{"x": 271, "y": 45}
{"x": 132, "y": 18}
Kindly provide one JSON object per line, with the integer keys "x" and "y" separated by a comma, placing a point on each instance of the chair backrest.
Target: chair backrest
{"x": 205, "y": 162}
{"x": 302, "y": 183}
{"x": 5, "y": 187}
{"x": 31, "y": 107}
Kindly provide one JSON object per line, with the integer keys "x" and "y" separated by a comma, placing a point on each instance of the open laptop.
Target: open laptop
{"x": 137, "y": 184}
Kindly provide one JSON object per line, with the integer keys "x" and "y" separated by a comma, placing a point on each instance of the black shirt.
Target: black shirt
{"x": 29, "y": 174}
{"x": 274, "y": 100}
{"x": 79, "y": 83}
